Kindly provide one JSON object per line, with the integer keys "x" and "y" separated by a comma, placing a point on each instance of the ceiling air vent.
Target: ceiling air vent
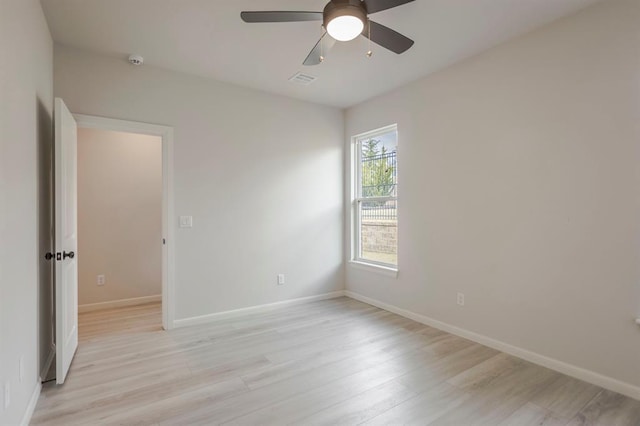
{"x": 303, "y": 79}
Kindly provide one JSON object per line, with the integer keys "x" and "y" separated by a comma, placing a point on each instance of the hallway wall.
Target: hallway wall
{"x": 119, "y": 215}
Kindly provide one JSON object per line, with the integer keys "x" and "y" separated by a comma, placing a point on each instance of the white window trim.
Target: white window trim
{"x": 374, "y": 267}
{"x": 356, "y": 198}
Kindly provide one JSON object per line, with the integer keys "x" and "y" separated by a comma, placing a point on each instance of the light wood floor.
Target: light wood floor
{"x": 330, "y": 362}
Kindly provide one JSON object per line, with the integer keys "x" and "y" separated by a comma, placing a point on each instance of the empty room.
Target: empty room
{"x": 340, "y": 212}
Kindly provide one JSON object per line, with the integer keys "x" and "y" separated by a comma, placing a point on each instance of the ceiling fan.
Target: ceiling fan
{"x": 343, "y": 20}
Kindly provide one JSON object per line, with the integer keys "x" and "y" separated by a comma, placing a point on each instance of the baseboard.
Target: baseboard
{"x": 253, "y": 309}
{"x": 598, "y": 379}
{"x": 47, "y": 364}
{"x": 119, "y": 303}
{"x": 26, "y": 418}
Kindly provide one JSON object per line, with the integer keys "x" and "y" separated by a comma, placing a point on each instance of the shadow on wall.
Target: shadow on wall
{"x": 320, "y": 231}
{"x": 46, "y": 305}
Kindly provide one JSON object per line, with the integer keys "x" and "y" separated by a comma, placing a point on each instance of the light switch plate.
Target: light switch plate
{"x": 186, "y": 221}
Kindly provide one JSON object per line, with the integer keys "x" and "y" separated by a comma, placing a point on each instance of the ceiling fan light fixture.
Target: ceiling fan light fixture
{"x": 345, "y": 28}
{"x": 344, "y": 19}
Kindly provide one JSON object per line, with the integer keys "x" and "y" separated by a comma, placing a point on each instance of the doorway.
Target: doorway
{"x": 119, "y": 231}
{"x": 65, "y": 289}
{"x": 124, "y": 206}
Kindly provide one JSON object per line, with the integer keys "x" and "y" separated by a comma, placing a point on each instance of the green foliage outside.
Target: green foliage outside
{"x": 377, "y": 174}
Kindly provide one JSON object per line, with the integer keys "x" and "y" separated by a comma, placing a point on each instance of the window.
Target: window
{"x": 375, "y": 202}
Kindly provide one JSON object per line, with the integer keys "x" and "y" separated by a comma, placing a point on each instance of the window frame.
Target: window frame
{"x": 357, "y": 199}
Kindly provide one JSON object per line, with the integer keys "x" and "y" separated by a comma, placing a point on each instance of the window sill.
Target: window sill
{"x": 378, "y": 269}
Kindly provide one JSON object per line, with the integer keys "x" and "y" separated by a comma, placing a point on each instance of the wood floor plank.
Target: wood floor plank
{"x": 154, "y": 410}
{"x": 146, "y": 400}
{"x": 532, "y": 415}
{"x": 51, "y": 399}
{"x": 425, "y": 407}
{"x": 608, "y": 409}
{"x": 362, "y": 407}
{"x": 497, "y": 398}
{"x": 444, "y": 368}
{"x": 395, "y": 342}
{"x": 301, "y": 405}
{"x": 487, "y": 372}
{"x": 404, "y": 358}
{"x": 566, "y": 396}
{"x": 336, "y": 361}
{"x": 368, "y": 369}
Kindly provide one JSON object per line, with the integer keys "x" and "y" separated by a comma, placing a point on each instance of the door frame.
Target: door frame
{"x": 168, "y": 249}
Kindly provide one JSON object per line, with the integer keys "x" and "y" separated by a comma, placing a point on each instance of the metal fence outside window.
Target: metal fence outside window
{"x": 379, "y": 179}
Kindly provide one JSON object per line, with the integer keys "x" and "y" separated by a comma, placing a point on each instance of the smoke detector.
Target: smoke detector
{"x": 136, "y": 60}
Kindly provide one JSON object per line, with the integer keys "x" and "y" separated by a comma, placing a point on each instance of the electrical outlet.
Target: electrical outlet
{"x": 7, "y": 394}
{"x": 21, "y": 368}
{"x": 461, "y": 299}
{"x": 280, "y": 279}
{"x": 101, "y": 280}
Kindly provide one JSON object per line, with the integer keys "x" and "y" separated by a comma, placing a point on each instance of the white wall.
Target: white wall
{"x": 520, "y": 187}
{"x": 119, "y": 215}
{"x": 26, "y": 56}
{"x": 260, "y": 174}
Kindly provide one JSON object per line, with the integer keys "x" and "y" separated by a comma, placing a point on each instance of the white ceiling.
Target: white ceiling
{"x": 207, "y": 38}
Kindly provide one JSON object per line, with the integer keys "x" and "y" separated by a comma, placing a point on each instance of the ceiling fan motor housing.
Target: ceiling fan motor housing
{"x": 336, "y": 8}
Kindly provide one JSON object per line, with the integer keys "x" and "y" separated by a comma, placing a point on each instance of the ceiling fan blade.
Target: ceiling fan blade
{"x": 374, "y": 6}
{"x": 388, "y": 38}
{"x": 281, "y": 16}
{"x": 323, "y": 45}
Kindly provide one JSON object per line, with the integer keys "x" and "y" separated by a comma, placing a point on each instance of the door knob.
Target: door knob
{"x": 49, "y": 256}
{"x": 68, "y": 254}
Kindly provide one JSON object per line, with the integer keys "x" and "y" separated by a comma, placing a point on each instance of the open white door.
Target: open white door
{"x": 66, "y": 220}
